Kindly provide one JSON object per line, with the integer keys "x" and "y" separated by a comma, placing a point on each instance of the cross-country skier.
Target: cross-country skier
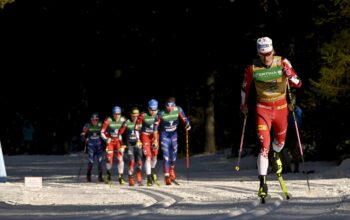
{"x": 270, "y": 74}
{"x": 145, "y": 124}
{"x": 166, "y": 123}
{"x": 109, "y": 133}
{"x": 92, "y": 138}
{"x": 134, "y": 146}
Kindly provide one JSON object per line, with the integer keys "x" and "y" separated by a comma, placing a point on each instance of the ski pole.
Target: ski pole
{"x": 81, "y": 163}
{"x": 187, "y": 153}
{"x": 298, "y": 136}
{"x": 241, "y": 145}
{"x": 187, "y": 156}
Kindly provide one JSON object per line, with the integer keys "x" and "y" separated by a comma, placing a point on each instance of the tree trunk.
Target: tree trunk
{"x": 210, "y": 146}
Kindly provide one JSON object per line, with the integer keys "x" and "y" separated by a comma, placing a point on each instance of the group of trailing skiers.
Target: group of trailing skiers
{"x": 143, "y": 133}
{"x": 272, "y": 75}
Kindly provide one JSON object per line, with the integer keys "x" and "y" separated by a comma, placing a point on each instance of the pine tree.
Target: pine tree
{"x": 4, "y": 2}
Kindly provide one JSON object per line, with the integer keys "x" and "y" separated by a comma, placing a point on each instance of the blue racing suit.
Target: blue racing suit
{"x": 91, "y": 136}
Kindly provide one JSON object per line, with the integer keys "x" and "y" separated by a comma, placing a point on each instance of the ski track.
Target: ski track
{"x": 227, "y": 195}
{"x": 186, "y": 201}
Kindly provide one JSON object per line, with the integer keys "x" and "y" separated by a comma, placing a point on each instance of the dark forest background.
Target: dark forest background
{"x": 63, "y": 60}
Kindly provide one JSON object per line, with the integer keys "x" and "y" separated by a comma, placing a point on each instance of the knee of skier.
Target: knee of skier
{"x": 277, "y": 146}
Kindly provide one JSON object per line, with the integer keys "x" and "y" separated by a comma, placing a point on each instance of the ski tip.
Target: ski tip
{"x": 175, "y": 182}
{"x": 263, "y": 198}
{"x": 157, "y": 183}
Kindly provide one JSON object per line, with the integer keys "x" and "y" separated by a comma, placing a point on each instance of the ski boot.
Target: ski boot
{"x": 277, "y": 166}
{"x": 131, "y": 180}
{"x": 108, "y": 177}
{"x": 263, "y": 188}
{"x": 167, "y": 180}
{"x": 149, "y": 180}
{"x": 155, "y": 177}
{"x": 172, "y": 173}
{"x": 278, "y": 169}
{"x": 88, "y": 176}
{"x": 121, "y": 179}
{"x": 100, "y": 178}
{"x": 139, "y": 177}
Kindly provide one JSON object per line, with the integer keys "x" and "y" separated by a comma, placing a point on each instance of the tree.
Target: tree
{"x": 4, "y": 2}
{"x": 210, "y": 146}
{"x": 328, "y": 94}
{"x": 334, "y": 82}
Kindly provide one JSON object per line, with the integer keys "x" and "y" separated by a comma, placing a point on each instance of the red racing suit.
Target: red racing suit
{"x": 144, "y": 124}
{"x": 109, "y": 133}
{"x": 271, "y": 107}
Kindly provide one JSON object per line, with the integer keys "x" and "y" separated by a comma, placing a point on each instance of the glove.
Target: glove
{"x": 139, "y": 144}
{"x": 188, "y": 127}
{"x": 288, "y": 71}
{"x": 108, "y": 140}
{"x": 244, "y": 109}
{"x": 122, "y": 148}
{"x": 290, "y": 107}
{"x": 155, "y": 144}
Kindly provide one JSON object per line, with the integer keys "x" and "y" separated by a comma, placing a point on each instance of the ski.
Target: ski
{"x": 264, "y": 198}
{"x": 176, "y": 183}
{"x": 283, "y": 186}
{"x": 156, "y": 182}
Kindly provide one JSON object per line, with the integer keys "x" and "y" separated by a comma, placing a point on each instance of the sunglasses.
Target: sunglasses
{"x": 265, "y": 54}
{"x": 170, "y": 104}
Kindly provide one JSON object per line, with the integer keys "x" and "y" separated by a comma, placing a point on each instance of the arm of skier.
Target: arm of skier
{"x": 156, "y": 124}
{"x": 84, "y": 133}
{"x": 290, "y": 73}
{"x": 104, "y": 131}
{"x": 122, "y": 128}
{"x": 248, "y": 77}
{"x": 184, "y": 119}
{"x": 139, "y": 121}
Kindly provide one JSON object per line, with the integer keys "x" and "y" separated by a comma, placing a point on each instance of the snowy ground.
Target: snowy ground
{"x": 210, "y": 189}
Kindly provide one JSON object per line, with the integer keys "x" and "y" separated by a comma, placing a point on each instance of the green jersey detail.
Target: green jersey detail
{"x": 171, "y": 116}
{"x": 114, "y": 126}
{"x": 264, "y": 75}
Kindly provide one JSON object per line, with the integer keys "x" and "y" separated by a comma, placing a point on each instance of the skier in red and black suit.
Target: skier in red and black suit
{"x": 145, "y": 124}
{"x": 270, "y": 74}
{"x": 109, "y": 133}
{"x": 133, "y": 145}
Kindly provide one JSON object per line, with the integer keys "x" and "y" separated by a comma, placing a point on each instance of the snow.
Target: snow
{"x": 209, "y": 189}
